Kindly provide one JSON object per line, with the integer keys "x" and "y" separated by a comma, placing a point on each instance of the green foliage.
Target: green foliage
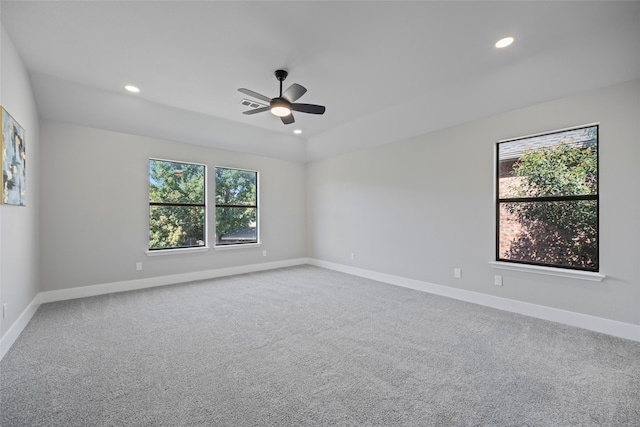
{"x": 176, "y": 226}
{"x": 560, "y": 170}
{"x": 560, "y": 233}
{"x": 236, "y": 204}
{"x": 172, "y": 182}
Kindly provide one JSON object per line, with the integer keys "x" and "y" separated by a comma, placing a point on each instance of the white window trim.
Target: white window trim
{"x": 549, "y": 271}
{"x": 159, "y": 252}
{"x": 173, "y": 251}
{"x": 236, "y": 246}
{"x": 240, "y": 245}
{"x": 535, "y": 269}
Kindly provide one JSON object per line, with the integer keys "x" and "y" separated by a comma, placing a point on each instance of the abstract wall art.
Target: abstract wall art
{"x": 13, "y": 161}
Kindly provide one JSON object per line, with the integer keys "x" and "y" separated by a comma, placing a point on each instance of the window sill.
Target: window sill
{"x": 237, "y": 246}
{"x": 549, "y": 271}
{"x": 177, "y": 251}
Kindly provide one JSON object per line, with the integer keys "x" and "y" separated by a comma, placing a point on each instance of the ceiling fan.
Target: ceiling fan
{"x": 283, "y": 105}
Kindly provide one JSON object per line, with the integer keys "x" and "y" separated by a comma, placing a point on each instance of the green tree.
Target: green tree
{"x": 556, "y": 231}
{"x": 177, "y": 199}
{"x": 236, "y": 204}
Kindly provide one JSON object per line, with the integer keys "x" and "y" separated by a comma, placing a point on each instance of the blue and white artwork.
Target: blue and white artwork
{"x": 13, "y": 161}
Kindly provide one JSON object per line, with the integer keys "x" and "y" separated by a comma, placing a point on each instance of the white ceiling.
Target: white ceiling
{"x": 385, "y": 70}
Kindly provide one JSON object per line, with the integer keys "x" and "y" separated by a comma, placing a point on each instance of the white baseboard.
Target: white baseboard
{"x": 597, "y": 324}
{"x": 107, "y": 288}
{"x": 130, "y": 285}
{"x": 18, "y": 326}
{"x": 592, "y": 323}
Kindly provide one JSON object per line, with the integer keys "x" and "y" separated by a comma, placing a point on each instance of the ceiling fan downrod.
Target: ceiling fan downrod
{"x": 281, "y": 75}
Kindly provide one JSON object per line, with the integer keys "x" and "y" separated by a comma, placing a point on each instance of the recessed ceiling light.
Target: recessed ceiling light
{"x": 504, "y": 42}
{"x": 297, "y": 131}
{"x": 132, "y": 89}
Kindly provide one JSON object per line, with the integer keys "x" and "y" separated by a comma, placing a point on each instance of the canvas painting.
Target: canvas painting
{"x": 13, "y": 161}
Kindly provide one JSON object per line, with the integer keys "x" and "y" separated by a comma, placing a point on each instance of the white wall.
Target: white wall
{"x": 19, "y": 273}
{"x": 419, "y": 207}
{"x": 414, "y": 208}
{"x": 94, "y": 207}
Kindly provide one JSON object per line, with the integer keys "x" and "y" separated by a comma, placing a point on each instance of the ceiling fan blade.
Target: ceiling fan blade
{"x": 308, "y": 108}
{"x": 287, "y": 120}
{"x": 254, "y": 94}
{"x": 294, "y": 92}
{"x": 257, "y": 110}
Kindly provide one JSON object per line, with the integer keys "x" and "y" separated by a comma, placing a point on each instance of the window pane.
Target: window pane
{"x": 173, "y": 182}
{"x": 236, "y": 187}
{"x": 176, "y": 226}
{"x": 170, "y": 185}
{"x": 560, "y": 233}
{"x": 558, "y": 164}
{"x": 236, "y": 225}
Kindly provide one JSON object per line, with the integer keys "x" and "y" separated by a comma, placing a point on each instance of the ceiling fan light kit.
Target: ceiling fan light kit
{"x": 280, "y": 108}
{"x": 283, "y": 105}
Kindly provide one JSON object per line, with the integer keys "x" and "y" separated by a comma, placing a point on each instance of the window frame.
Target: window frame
{"x": 188, "y": 248}
{"x": 545, "y": 199}
{"x": 257, "y": 241}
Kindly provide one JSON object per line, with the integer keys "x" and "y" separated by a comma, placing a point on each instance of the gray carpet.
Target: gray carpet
{"x": 305, "y": 346}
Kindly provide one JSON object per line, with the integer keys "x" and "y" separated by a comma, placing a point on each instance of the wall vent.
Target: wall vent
{"x": 252, "y": 104}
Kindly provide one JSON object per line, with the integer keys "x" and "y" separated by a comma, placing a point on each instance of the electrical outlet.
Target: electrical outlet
{"x": 353, "y": 256}
{"x": 457, "y": 273}
{"x": 264, "y": 253}
{"x": 497, "y": 280}
{"x": 4, "y": 310}
{"x": 138, "y": 266}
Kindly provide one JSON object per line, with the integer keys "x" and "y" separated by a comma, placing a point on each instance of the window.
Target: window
{"x": 547, "y": 199}
{"x": 236, "y": 206}
{"x": 177, "y": 205}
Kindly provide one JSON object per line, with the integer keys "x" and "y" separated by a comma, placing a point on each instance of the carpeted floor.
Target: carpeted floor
{"x": 305, "y": 346}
